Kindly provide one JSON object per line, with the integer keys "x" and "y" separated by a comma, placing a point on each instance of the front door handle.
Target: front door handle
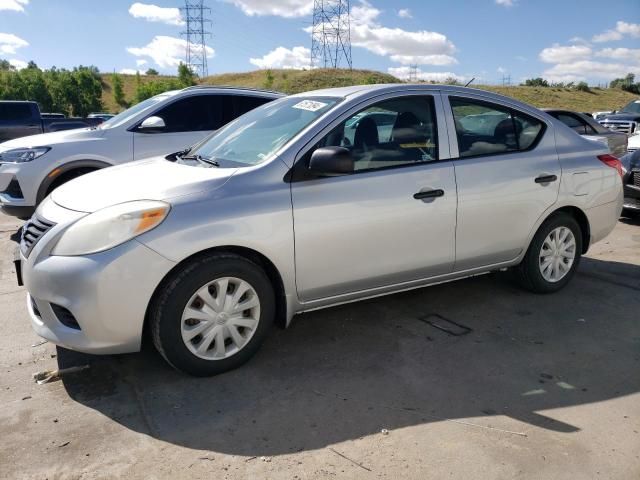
{"x": 546, "y": 178}
{"x": 428, "y": 194}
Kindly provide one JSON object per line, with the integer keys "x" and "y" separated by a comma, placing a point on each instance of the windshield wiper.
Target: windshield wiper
{"x": 201, "y": 159}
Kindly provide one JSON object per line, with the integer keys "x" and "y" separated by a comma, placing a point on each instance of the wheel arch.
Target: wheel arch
{"x": 258, "y": 258}
{"x": 578, "y": 214}
{"x": 64, "y": 170}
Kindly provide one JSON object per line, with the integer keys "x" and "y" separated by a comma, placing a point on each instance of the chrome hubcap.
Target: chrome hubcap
{"x": 557, "y": 254}
{"x": 220, "y": 318}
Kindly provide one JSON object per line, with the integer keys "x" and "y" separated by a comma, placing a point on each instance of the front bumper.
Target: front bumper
{"x": 106, "y": 294}
{"x": 14, "y": 189}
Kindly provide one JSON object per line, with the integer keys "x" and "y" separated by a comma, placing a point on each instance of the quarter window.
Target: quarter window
{"x": 488, "y": 129}
{"x": 392, "y": 133}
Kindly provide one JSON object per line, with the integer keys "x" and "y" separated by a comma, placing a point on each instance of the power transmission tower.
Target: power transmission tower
{"x": 195, "y": 34}
{"x": 506, "y": 80}
{"x": 331, "y": 34}
{"x": 413, "y": 73}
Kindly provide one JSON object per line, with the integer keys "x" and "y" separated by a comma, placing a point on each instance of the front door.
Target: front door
{"x": 187, "y": 121}
{"x": 390, "y": 221}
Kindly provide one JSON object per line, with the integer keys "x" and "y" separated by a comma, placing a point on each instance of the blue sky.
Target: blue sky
{"x": 562, "y": 40}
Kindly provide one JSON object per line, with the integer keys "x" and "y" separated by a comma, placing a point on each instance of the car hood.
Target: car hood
{"x": 622, "y": 116}
{"x": 151, "y": 179}
{"x": 48, "y": 139}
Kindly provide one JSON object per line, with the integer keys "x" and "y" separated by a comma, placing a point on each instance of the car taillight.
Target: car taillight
{"x": 613, "y": 162}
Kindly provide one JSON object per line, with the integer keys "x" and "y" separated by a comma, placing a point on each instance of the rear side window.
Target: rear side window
{"x": 243, "y": 103}
{"x": 488, "y": 129}
{"x": 15, "y": 111}
{"x": 197, "y": 113}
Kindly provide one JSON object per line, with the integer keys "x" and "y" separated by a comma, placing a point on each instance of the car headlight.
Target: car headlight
{"x": 21, "y": 155}
{"x": 110, "y": 227}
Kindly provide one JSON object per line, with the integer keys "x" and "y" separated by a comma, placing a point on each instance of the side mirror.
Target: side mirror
{"x": 329, "y": 161}
{"x": 152, "y": 123}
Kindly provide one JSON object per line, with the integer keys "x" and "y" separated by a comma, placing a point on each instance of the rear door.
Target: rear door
{"x": 507, "y": 173}
{"x": 390, "y": 221}
{"x": 187, "y": 121}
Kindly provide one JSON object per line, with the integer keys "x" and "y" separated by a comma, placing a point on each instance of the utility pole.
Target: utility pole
{"x": 413, "y": 73}
{"x": 195, "y": 34}
{"x": 506, "y": 80}
{"x": 331, "y": 34}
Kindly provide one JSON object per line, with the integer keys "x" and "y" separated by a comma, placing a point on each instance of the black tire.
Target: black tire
{"x": 167, "y": 308}
{"x": 528, "y": 272}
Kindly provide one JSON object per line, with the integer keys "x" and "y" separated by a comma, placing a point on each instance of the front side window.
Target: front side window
{"x": 196, "y": 113}
{"x": 486, "y": 129}
{"x": 388, "y": 134}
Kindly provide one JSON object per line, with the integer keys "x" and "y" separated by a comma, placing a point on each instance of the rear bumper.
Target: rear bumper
{"x": 603, "y": 219}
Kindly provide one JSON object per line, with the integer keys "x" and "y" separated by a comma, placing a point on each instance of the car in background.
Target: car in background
{"x": 53, "y": 115}
{"x": 625, "y": 120}
{"x": 633, "y": 143}
{"x": 631, "y": 181}
{"x": 275, "y": 214}
{"x": 22, "y": 118}
{"x": 103, "y": 116}
{"x": 32, "y": 167}
{"x": 589, "y": 128}
{"x": 601, "y": 115}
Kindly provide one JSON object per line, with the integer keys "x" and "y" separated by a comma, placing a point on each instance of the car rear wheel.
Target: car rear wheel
{"x": 213, "y": 314}
{"x": 553, "y": 256}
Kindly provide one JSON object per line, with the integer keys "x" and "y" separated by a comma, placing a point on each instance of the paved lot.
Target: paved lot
{"x": 541, "y": 387}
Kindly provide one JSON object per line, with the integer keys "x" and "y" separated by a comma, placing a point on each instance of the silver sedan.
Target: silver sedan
{"x": 287, "y": 210}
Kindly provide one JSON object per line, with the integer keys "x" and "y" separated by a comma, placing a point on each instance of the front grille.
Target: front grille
{"x": 32, "y": 232}
{"x": 13, "y": 189}
{"x": 634, "y": 178}
{"x": 625, "y": 126}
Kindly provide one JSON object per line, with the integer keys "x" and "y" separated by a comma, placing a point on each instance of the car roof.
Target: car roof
{"x": 233, "y": 89}
{"x": 379, "y": 89}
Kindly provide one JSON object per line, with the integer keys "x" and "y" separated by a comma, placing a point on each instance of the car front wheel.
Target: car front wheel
{"x": 553, "y": 256}
{"x": 213, "y": 314}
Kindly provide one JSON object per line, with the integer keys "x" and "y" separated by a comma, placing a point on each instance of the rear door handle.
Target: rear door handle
{"x": 546, "y": 178}
{"x": 428, "y": 194}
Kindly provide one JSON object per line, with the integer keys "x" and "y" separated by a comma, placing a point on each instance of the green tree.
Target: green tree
{"x": 186, "y": 77}
{"x": 536, "y": 82}
{"x": 151, "y": 72}
{"x": 118, "y": 90}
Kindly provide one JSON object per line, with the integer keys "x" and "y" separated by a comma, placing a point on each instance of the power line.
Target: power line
{"x": 195, "y": 33}
{"x": 331, "y": 34}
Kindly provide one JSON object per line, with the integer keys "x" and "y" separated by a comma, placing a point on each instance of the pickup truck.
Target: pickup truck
{"x": 625, "y": 120}
{"x": 20, "y": 119}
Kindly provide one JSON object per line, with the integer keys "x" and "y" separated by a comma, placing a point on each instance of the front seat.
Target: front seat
{"x": 366, "y": 134}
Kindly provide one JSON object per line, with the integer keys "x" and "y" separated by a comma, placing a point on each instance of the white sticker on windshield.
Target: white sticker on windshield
{"x": 309, "y": 105}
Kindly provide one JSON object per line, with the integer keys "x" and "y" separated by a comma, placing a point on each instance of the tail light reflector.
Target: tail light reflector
{"x": 613, "y": 162}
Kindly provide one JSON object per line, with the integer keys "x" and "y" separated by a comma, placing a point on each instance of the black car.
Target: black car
{"x": 625, "y": 120}
{"x": 631, "y": 181}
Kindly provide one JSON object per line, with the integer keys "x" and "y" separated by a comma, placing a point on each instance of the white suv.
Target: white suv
{"x": 31, "y": 167}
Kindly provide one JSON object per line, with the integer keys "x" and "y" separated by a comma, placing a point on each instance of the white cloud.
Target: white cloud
{"x": 140, "y": 62}
{"x": 622, "y": 29}
{"x": 18, "y": 64}
{"x": 9, "y": 43}
{"x": 154, "y": 13}
{"x": 14, "y": 5}
{"x": 629, "y": 54}
{"x": 281, "y": 57}
{"x": 165, "y": 51}
{"x": 405, "y": 13}
{"x": 280, "y": 8}
{"x": 131, "y": 71}
{"x": 588, "y": 69}
{"x": 501, "y": 70}
{"x": 564, "y": 54}
{"x": 438, "y": 77}
{"x": 506, "y": 3}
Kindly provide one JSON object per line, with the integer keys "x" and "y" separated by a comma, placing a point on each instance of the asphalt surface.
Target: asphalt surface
{"x": 544, "y": 387}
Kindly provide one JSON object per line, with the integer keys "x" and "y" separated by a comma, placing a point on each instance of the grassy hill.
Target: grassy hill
{"x": 294, "y": 81}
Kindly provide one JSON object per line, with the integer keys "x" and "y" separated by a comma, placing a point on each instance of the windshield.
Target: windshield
{"x": 122, "y": 117}
{"x": 257, "y": 135}
{"x": 632, "y": 107}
